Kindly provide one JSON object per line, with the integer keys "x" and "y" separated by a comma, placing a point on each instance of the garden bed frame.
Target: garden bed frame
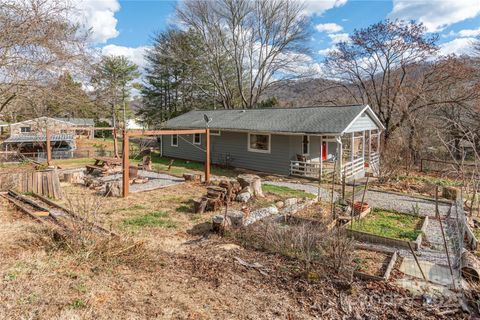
{"x": 388, "y": 270}
{"x": 377, "y": 239}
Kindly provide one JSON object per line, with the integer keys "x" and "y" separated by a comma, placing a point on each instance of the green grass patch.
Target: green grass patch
{"x": 180, "y": 167}
{"x": 286, "y": 192}
{"x": 152, "y": 219}
{"x": 390, "y": 224}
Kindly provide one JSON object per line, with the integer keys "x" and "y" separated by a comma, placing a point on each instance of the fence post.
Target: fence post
{"x": 49, "y": 148}
{"x": 207, "y": 155}
{"x": 126, "y": 165}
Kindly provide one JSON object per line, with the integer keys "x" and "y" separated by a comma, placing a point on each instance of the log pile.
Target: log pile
{"x": 218, "y": 195}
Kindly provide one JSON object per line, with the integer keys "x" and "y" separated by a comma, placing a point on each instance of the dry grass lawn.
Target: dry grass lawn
{"x": 177, "y": 271}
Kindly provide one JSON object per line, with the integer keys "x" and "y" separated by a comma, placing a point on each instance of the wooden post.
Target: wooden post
{"x": 352, "y": 156}
{"x": 207, "y": 155}
{"x": 321, "y": 157}
{"x": 49, "y": 147}
{"x": 126, "y": 164}
{"x": 115, "y": 143}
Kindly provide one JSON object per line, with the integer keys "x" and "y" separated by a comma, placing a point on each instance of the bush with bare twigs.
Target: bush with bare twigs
{"x": 84, "y": 239}
{"x": 312, "y": 244}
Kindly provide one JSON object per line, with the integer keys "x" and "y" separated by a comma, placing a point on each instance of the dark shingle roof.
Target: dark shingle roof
{"x": 290, "y": 120}
{"x": 38, "y": 138}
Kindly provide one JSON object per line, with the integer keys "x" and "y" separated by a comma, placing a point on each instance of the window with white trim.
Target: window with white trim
{"x": 174, "y": 140}
{"x": 197, "y": 138}
{"x": 259, "y": 142}
{"x": 25, "y": 129}
{"x": 305, "y": 145}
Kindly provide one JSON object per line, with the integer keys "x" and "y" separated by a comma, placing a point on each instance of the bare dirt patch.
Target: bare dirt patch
{"x": 185, "y": 272}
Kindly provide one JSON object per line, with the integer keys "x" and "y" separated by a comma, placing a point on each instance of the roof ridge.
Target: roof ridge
{"x": 287, "y": 108}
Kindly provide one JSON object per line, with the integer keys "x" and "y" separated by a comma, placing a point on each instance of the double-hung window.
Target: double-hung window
{"x": 174, "y": 140}
{"x": 259, "y": 142}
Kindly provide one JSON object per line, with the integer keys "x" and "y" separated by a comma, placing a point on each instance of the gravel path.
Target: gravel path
{"x": 324, "y": 194}
{"x": 155, "y": 181}
{"x": 403, "y": 203}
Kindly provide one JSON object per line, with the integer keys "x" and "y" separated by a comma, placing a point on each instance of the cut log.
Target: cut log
{"x": 252, "y": 181}
{"x": 73, "y": 177}
{"x": 113, "y": 189}
{"x": 471, "y": 266}
{"x": 214, "y": 204}
{"x": 200, "y": 205}
{"x": 192, "y": 177}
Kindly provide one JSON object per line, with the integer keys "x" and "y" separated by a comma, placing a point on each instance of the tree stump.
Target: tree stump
{"x": 113, "y": 189}
{"x": 450, "y": 193}
{"x": 252, "y": 181}
{"x": 200, "y": 205}
{"x": 73, "y": 177}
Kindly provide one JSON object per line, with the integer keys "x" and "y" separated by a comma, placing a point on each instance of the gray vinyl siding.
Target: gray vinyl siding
{"x": 231, "y": 148}
{"x": 364, "y": 122}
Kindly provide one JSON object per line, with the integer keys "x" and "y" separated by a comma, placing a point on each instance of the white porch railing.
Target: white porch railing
{"x": 349, "y": 169}
{"x": 374, "y": 162}
{"x": 308, "y": 169}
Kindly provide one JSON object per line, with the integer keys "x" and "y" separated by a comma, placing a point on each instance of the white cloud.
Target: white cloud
{"x": 328, "y": 27}
{"x": 460, "y": 46}
{"x": 136, "y": 55}
{"x": 339, "y": 37}
{"x": 435, "y": 15}
{"x": 469, "y": 32}
{"x": 99, "y": 17}
{"x": 317, "y": 7}
{"x": 325, "y": 52}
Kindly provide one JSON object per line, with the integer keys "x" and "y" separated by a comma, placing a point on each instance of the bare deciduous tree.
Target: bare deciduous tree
{"x": 36, "y": 43}
{"x": 247, "y": 45}
{"x": 391, "y": 66}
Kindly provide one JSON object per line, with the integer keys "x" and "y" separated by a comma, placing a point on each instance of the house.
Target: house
{"x": 83, "y": 127}
{"x": 29, "y": 136}
{"x": 303, "y": 142}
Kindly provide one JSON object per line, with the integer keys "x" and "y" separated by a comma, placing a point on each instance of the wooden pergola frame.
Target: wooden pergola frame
{"x": 137, "y": 133}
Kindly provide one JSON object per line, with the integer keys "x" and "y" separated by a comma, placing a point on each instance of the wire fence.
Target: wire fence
{"x": 9, "y": 157}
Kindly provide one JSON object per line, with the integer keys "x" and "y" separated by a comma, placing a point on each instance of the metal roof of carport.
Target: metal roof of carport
{"x": 320, "y": 119}
{"x": 39, "y": 138}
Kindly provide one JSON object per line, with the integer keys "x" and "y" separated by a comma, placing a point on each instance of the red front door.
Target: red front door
{"x": 324, "y": 151}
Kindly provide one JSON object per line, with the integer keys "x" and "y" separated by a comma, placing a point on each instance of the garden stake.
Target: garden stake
{"x": 333, "y": 185}
{"x": 363, "y": 197}
{"x": 352, "y": 214}
{"x": 448, "y": 255}
{"x": 416, "y": 260}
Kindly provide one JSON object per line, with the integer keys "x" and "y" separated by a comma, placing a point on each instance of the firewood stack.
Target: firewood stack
{"x": 217, "y": 196}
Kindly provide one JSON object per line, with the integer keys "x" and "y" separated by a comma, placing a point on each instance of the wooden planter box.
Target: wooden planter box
{"x": 388, "y": 270}
{"x": 376, "y": 239}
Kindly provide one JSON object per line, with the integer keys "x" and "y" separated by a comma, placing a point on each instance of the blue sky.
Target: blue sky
{"x": 126, "y": 27}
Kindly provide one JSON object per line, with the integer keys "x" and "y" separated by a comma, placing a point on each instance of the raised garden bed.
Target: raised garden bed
{"x": 389, "y": 228}
{"x": 373, "y": 264}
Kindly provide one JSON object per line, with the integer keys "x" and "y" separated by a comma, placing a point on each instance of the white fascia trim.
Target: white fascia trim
{"x": 371, "y": 113}
{"x": 257, "y": 150}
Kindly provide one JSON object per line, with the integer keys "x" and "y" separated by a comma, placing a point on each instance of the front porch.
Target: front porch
{"x": 354, "y": 154}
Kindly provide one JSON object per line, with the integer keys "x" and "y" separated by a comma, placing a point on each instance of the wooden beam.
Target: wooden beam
{"x": 126, "y": 165}
{"x": 49, "y": 147}
{"x": 115, "y": 143}
{"x": 207, "y": 155}
{"x": 133, "y": 133}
